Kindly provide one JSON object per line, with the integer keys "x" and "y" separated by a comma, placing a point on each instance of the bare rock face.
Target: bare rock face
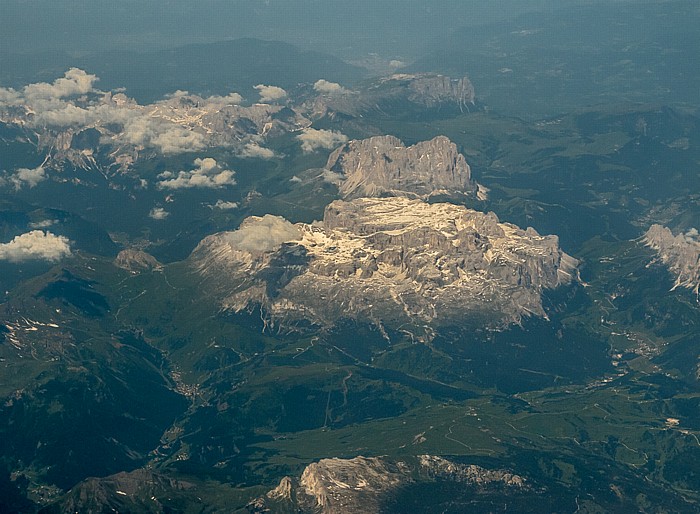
{"x": 681, "y": 254}
{"x": 136, "y": 261}
{"x": 438, "y": 467}
{"x": 399, "y": 93}
{"x": 360, "y": 485}
{"x": 393, "y": 262}
{"x": 137, "y": 491}
{"x": 382, "y": 165}
{"x": 432, "y": 89}
{"x": 347, "y": 486}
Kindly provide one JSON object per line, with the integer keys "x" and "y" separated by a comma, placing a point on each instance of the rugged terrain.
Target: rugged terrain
{"x": 680, "y": 253}
{"x": 384, "y": 166}
{"x": 363, "y": 328}
{"x": 358, "y": 485}
{"x": 394, "y": 261}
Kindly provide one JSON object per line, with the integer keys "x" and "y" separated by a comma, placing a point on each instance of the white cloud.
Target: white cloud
{"x": 313, "y": 139}
{"x": 61, "y": 114}
{"x": 168, "y": 137}
{"x": 158, "y": 213}
{"x": 179, "y": 93}
{"x": 35, "y": 245}
{"x": 295, "y": 179}
{"x": 270, "y": 94}
{"x": 332, "y": 177}
{"x": 255, "y": 151}
{"x": 9, "y": 97}
{"x": 692, "y": 236}
{"x": 263, "y": 234}
{"x": 223, "y": 101}
{"x": 225, "y": 206}
{"x": 27, "y": 177}
{"x": 43, "y": 224}
{"x": 206, "y": 174}
{"x": 74, "y": 82}
{"x": 325, "y": 87}
{"x": 395, "y": 63}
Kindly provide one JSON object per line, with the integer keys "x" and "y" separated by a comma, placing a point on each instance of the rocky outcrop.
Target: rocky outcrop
{"x": 432, "y": 90}
{"x": 136, "y": 261}
{"x": 398, "y": 94}
{"x": 360, "y": 485}
{"x": 440, "y": 468}
{"x": 680, "y": 253}
{"x": 382, "y": 165}
{"x": 393, "y": 262}
{"x": 137, "y": 491}
{"x": 348, "y": 485}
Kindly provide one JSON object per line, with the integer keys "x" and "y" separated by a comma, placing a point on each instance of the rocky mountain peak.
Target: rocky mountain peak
{"x": 383, "y": 165}
{"x": 136, "y": 261}
{"x": 432, "y": 89}
{"x": 364, "y": 484}
{"x": 680, "y": 253}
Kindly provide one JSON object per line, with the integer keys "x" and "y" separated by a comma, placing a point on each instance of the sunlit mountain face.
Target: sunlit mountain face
{"x": 303, "y": 256}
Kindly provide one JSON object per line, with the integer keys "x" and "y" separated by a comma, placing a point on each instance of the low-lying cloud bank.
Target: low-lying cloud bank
{"x": 73, "y": 102}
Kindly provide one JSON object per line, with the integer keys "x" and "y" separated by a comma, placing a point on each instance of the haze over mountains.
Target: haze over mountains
{"x": 319, "y": 256}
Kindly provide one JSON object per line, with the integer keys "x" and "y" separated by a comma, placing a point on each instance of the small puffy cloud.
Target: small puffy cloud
{"x": 63, "y": 114}
{"x": 27, "y": 177}
{"x": 179, "y": 93}
{"x": 223, "y": 101}
{"x": 225, "y": 206}
{"x": 167, "y": 137}
{"x": 178, "y": 140}
{"x": 206, "y": 174}
{"x": 158, "y": 213}
{"x": 332, "y": 177}
{"x": 43, "y": 224}
{"x": 328, "y": 88}
{"x": 395, "y": 63}
{"x": 263, "y": 234}
{"x": 692, "y": 236}
{"x": 313, "y": 139}
{"x": 74, "y": 82}
{"x": 295, "y": 179}
{"x": 270, "y": 94}
{"x": 254, "y": 151}
{"x": 35, "y": 245}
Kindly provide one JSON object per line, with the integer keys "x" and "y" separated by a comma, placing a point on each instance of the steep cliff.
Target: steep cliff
{"x": 382, "y": 165}
{"x": 399, "y": 94}
{"x": 680, "y": 253}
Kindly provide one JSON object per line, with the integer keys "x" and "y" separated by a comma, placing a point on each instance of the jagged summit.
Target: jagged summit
{"x": 433, "y": 89}
{"x": 680, "y": 253}
{"x": 363, "y": 484}
{"x": 136, "y": 261}
{"x": 394, "y": 262}
{"x": 399, "y": 94}
{"x": 383, "y": 165}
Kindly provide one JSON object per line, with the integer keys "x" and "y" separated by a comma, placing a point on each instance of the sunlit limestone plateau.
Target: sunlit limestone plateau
{"x": 398, "y": 263}
{"x": 364, "y": 484}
